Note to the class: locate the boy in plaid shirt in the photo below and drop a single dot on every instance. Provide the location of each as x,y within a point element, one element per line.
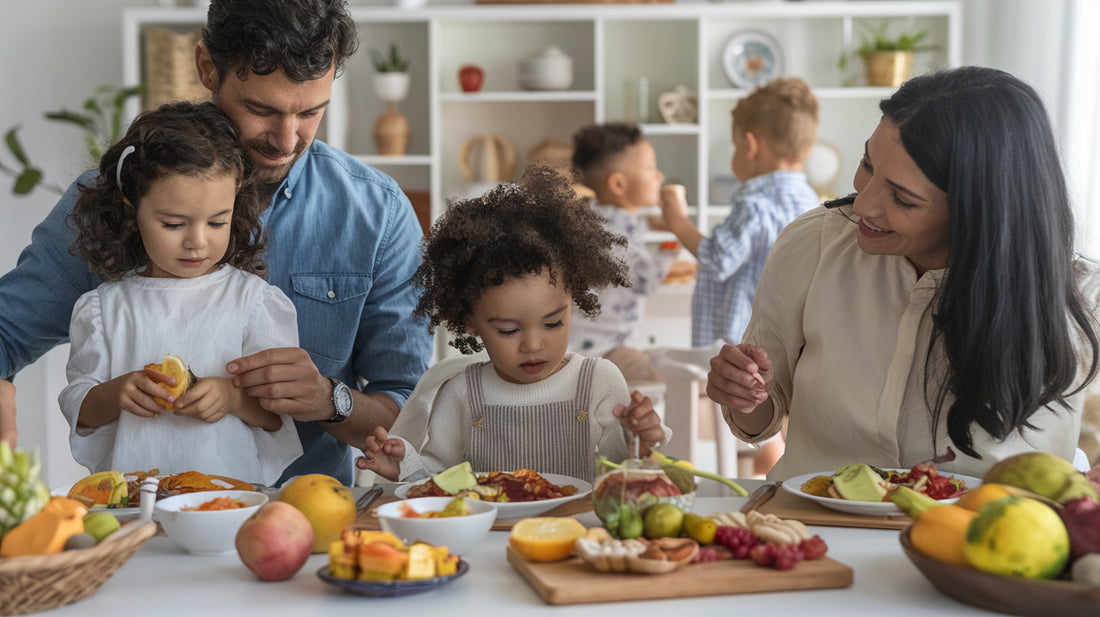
<point>773,130</point>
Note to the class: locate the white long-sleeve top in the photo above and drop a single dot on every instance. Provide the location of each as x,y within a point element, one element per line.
<point>847,333</point>
<point>207,321</point>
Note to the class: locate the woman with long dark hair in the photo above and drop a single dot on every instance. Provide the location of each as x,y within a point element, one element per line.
<point>952,319</point>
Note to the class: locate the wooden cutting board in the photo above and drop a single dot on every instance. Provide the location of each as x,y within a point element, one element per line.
<point>788,505</point>
<point>368,519</point>
<point>573,582</point>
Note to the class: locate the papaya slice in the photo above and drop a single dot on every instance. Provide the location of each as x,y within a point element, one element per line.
<point>172,366</point>
<point>47,531</point>
<point>105,489</point>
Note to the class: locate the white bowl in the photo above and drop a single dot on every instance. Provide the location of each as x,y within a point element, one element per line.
<point>212,532</point>
<point>460,534</point>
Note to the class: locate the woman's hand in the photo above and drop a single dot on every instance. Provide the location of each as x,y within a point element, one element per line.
<point>382,455</point>
<point>738,377</point>
<point>639,418</point>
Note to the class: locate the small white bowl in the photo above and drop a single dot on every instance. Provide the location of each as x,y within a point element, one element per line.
<point>460,534</point>
<point>212,532</point>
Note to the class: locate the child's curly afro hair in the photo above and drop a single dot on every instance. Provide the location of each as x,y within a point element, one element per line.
<point>515,230</point>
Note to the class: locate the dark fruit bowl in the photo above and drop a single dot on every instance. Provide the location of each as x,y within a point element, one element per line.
<point>1004,594</point>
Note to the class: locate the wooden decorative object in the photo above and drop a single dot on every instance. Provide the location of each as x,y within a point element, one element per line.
<point>169,68</point>
<point>391,131</point>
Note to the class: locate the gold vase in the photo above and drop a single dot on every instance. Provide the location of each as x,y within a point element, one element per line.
<point>887,68</point>
<point>391,131</point>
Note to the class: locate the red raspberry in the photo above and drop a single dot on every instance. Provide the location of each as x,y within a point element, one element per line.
<point>705,554</point>
<point>778,556</point>
<point>814,548</point>
<point>739,541</point>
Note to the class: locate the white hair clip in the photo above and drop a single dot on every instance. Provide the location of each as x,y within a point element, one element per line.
<point>127,151</point>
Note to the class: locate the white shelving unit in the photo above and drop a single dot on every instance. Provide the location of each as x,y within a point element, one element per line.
<point>612,45</point>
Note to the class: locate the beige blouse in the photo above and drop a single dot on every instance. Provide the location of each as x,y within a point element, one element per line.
<point>847,333</point>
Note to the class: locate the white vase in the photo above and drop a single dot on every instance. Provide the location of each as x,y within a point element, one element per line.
<point>391,86</point>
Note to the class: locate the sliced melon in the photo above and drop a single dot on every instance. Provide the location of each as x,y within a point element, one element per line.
<point>104,489</point>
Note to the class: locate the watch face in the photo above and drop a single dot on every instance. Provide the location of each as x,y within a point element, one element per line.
<point>341,397</point>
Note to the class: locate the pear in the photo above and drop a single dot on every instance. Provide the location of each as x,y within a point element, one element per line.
<point>1042,473</point>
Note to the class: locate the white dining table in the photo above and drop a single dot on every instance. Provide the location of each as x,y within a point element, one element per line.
<point>163,580</point>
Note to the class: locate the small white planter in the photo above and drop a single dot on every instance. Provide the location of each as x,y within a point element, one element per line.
<point>391,86</point>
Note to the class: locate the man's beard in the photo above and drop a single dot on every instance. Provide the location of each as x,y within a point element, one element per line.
<point>271,176</point>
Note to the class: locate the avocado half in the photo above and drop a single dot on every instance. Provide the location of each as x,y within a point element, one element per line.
<point>859,482</point>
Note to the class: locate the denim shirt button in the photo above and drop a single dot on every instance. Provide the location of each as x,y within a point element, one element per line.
<point>331,294</point>
<point>286,192</point>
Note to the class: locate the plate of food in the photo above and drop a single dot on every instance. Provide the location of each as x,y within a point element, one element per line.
<point>391,589</point>
<point>528,493</point>
<point>752,57</point>
<point>120,493</point>
<point>859,484</point>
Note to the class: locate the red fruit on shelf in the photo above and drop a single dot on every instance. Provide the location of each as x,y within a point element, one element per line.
<point>470,77</point>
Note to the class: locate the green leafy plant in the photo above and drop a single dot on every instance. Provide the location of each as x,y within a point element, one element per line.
<point>876,39</point>
<point>393,62</point>
<point>100,120</point>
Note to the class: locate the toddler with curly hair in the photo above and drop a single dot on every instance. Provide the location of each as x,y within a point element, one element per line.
<point>502,272</point>
<point>172,224</point>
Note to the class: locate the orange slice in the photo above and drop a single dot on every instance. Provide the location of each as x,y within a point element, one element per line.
<point>546,538</point>
<point>104,489</point>
<point>172,366</point>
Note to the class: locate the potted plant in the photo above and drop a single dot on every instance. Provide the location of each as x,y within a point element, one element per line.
<point>391,79</point>
<point>101,122</point>
<point>887,59</point>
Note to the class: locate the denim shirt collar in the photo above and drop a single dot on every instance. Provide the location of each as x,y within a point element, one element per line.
<point>296,172</point>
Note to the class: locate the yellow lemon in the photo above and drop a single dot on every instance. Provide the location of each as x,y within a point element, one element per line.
<point>546,538</point>
<point>327,504</point>
<point>1017,536</point>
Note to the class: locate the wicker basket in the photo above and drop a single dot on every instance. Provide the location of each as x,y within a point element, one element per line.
<point>41,582</point>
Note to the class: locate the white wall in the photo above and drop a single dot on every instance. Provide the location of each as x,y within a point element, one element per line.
<point>57,51</point>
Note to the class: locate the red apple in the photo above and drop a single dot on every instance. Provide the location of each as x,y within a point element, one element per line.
<point>469,77</point>
<point>275,541</point>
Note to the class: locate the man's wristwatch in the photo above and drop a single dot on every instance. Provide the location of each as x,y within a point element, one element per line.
<point>341,400</point>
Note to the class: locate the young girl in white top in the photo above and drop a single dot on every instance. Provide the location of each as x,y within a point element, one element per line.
<point>173,225</point>
<point>502,272</point>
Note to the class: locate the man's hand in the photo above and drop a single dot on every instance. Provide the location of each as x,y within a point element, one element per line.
<point>7,412</point>
<point>286,381</point>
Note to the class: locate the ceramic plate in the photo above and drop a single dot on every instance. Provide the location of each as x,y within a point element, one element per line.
<point>392,589</point>
<point>122,514</point>
<point>868,508</point>
<point>752,57</point>
<point>523,509</point>
<point>1003,594</point>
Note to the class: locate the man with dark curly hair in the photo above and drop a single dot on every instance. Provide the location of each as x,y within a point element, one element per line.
<point>502,272</point>
<point>341,241</point>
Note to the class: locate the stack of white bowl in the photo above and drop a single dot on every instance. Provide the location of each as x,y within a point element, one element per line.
<point>549,69</point>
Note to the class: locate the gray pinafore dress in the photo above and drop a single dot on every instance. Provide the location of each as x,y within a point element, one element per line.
<point>548,438</point>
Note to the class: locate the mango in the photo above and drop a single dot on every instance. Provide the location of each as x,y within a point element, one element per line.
<point>939,530</point>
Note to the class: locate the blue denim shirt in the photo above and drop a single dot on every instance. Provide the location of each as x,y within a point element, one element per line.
<point>342,243</point>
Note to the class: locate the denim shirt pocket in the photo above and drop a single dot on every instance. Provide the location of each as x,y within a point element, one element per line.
<point>330,307</point>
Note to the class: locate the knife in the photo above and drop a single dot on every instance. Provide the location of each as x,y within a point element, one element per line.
<point>759,497</point>
<point>368,498</point>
